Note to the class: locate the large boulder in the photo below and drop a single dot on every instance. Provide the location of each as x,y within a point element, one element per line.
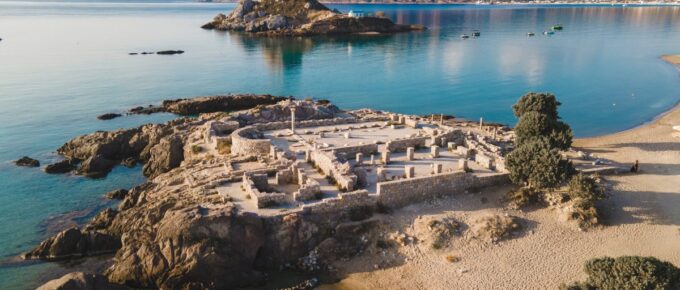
<point>165,156</point>
<point>81,281</point>
<point>63,166</point>
<point>74,243</point>
<point>97,166</point>
<point>212,104</point>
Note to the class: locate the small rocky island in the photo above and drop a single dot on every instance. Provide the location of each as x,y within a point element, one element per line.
<point>300,18</point>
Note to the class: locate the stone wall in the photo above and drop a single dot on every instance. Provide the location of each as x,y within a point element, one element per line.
<point>400,145</point>
<point>262,199</point>
<point>403,192</point>
<point>344,202</point>
<point>242,142</point>
<point>330,166</point>
<point>351,151</point>
<point>309,190</point>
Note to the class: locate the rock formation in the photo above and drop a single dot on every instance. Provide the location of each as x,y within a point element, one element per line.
<point>27,162</point>
<point>81,281</point>
<point>108,116</point>
<point>299,18</point>
<point>74,243</point>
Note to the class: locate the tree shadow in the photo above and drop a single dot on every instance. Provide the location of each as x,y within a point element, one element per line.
<point>648,207</point>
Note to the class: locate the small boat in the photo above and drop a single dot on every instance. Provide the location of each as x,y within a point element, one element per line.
<point>548,32</point>
<point>476,33</point>
<point>531,34</point>
<point>557,27</point>
<point>464,36</point>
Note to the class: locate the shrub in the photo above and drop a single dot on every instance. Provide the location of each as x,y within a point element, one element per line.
<point>224,146</point>
<point>523,196</point>
<point>584,187</point>
<point>538,165</point>
<point>584,213</point>
<point>196,149</point>
<point>629,272</point>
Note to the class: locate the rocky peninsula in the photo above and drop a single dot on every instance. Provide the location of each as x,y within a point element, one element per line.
<point>300,18</point>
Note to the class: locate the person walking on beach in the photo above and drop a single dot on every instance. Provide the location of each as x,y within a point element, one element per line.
<point>635,167</point>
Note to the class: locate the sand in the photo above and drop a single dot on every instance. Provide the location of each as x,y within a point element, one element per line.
<point>642,218</point>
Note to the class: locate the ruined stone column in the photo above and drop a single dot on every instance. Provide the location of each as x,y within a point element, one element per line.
<point>409,153</point>
<point>434,151</point>
<point>451,146</point>
<point>359,158</point>
<point>437,168</point>
<point>441,118</point>
<point>386,157</point>
<point>495,131</point>
<point>481,123</point>
<point>402,120</point>
<point>348,135</point>
<point>372,159</point>
<point>443,141</point>
<point>292,119</point>
<point>308,156</point>
<point>273,153</point>
<point>409,171</point>
<point>462,164</point>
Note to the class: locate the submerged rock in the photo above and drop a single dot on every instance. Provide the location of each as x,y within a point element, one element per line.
<point>63,166</point>
<point>27,162</point>
<point>108,116</point>
<point>81,281</point>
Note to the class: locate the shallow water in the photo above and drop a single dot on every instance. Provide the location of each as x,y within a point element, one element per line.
<point>62,64</point>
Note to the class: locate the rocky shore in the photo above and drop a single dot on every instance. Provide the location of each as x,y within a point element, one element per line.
<point>167,234</point>
<point>300,18</point>
<point>157,146</point>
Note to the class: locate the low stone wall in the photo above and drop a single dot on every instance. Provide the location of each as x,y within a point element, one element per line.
<point>308,191</point>
<point>400,145</point>
<point>351,151</point>
<point>403,192</point>
<point>330,166</point>
<point>252,185</point>
<point>344,202</point>
<point>243,144</point>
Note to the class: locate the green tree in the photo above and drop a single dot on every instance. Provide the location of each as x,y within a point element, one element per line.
<point>584,187</point>
<point>544,103</point>
<point>538,165</point>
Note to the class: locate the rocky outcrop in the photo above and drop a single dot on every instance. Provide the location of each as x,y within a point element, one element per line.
<point>205,247</point>
<point>298,18</point>
<point>81,281</point>
<point>165,156</point>
<point>212,104</point>
<point>27,162</point>
<point>170,52</point>
<point>73,243</point>
<point>116,194</point>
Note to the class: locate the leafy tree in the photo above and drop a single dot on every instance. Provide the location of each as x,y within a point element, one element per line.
<point>628,272</point>
<point>538,165</point>
<point>533,125</point>
<point>544,103</point>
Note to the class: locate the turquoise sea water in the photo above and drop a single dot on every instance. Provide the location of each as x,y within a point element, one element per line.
<point>62,64</point>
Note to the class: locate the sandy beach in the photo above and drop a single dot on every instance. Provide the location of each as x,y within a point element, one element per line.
<point>641,217</point>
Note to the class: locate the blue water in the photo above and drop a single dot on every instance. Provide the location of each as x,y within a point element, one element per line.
<point>62,64</point>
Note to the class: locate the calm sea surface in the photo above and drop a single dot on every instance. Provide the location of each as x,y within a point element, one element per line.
<point>62,64</point>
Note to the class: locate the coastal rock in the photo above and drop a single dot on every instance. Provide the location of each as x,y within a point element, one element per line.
<point>117,194</point>
<point>129,162</point>
<point>102,220</point>
<point>96,166</point>
<point>165,156</point>
<point>73,243</point>
<point>113,145</point>
<point>108,116</point>
<point>63,166</point>
<point>205,247</point>
<point>218,103</point>
<point>298,18</point>
<point>27,162</point>
<point>170,52</point>
<point>81,281</point>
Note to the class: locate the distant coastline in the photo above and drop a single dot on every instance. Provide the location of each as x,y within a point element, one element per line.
<point>484,3</point>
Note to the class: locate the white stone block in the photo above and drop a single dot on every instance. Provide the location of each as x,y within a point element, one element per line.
<point>434,151</point>
<point>359,158</point>
<point>409,171</point>
<point>409,153</point>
